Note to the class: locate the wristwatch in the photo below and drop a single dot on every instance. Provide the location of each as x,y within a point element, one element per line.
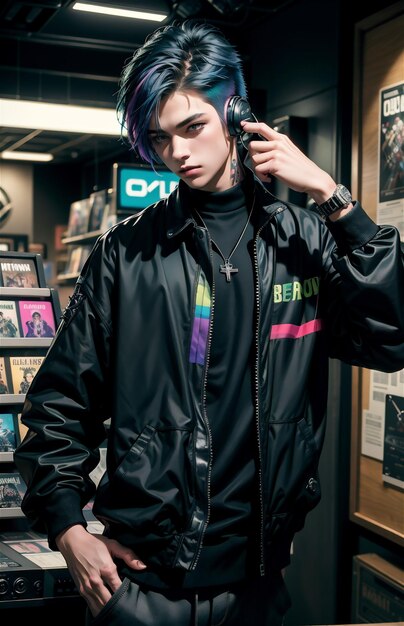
<point>340,198</point>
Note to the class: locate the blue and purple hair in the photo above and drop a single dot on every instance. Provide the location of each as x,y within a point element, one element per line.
<point>179,57</point>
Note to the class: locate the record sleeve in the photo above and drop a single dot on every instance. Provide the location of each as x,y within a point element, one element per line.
<point>78,217</point>
<point>9,325</point>
<point>8,435</point>
<point>12,490</point>
<point>74,260</point>
<point>23,370</point>
<point>5,383</point>
<point>37,319</point>
<point>393,453</point>
<point>18,273</point>
<point>22,429</point>
<point>98,203</point>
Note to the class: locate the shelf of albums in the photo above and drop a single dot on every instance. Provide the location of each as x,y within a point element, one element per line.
<point>29,315</point>
<point>88,219</point>
<point>31,574</point>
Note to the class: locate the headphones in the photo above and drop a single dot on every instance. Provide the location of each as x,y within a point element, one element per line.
<point>238,109</point>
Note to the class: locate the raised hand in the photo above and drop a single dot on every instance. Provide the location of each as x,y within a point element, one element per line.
<point>276,155</point>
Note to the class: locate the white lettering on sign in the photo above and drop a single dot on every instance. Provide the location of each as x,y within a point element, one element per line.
<point>393,106</point>
<point>139,188</point>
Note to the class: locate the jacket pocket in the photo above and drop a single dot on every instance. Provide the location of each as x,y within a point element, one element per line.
<point>152,488</point>
<point>104,616</point>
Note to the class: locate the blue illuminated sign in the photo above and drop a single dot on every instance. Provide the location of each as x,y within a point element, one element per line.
<point>139,187</point>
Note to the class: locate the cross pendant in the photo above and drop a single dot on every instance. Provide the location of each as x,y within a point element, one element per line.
<point>228,269</point>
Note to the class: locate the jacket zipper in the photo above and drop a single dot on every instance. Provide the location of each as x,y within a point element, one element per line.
<point>205,416</point>
<point>257,403</point>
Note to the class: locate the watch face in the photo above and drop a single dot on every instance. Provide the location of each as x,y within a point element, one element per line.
<point>340,198</point>
<point>344,193</point>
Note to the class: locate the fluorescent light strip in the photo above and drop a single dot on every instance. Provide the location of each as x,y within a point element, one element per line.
<point>26,156</point>
<point>59,117</point>
<point>104,10</point>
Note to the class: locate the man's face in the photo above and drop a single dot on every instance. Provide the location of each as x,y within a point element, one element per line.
<point>193,143</point>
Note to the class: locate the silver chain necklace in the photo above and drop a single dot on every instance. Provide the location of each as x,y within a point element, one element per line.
<point>228,268</point>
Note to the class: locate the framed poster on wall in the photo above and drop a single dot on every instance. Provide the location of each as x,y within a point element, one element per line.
<point>390,206</point>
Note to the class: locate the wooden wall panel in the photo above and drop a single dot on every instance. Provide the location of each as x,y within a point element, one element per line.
<point>379,63</point>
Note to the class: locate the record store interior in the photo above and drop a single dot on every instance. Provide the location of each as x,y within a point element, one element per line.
<point>320,72</point>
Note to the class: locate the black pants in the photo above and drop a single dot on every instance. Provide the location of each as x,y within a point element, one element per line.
<point>262,602</point>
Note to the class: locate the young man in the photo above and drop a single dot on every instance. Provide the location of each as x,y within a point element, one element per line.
<point>201,328</point>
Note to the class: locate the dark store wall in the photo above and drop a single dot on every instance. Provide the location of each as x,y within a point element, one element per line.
<point>302,59</point>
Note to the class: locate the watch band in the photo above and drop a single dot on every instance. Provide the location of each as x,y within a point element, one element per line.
<point>340,198</point>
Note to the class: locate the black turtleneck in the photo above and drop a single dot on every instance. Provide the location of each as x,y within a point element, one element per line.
<point>227,553</point>
<point>230,407</point>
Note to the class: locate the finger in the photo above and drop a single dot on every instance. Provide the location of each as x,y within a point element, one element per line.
<point>126,554</point>
<point>265,178</point>
<point>111,578</point>
<point>137,564</point>
<point>259,127</point>
<point>261,157</point>
<point>95,592</point>
<point>266,162</point>
<point>95,605</point>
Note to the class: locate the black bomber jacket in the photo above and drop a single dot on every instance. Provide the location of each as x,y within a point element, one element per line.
<point>132,350</point>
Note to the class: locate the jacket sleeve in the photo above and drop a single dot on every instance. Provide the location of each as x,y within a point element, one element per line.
<point>364,303</point>
<point>66,406</point>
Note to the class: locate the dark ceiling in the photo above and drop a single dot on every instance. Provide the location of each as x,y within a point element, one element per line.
<point>50,52</point>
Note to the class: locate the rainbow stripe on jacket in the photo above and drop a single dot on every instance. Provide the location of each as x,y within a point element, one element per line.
<point>200,327</point>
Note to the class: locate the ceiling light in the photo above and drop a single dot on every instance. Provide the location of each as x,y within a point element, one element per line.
<point>26,156</point>
<point>59,117</point>
<point>105,10</point>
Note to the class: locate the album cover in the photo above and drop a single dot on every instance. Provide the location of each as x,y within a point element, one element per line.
<point>377,590</point>
<point>18,273</point>
<point>12,490</point>
<point>74,260</point>
<point>22,429</point>
<point>5,384</point>
<point>23,370</point>
<point>85,253</point>
<point>393,451</point>
<point>8,435</point>
<point>37,319</point>
<point>9,325</point>
<point>98,203</point>
<point>78,217</point>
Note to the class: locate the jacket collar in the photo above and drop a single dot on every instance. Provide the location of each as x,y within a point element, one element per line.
<point>179,217</point>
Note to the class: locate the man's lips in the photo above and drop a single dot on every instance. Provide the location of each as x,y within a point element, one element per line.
<point>189,170</point>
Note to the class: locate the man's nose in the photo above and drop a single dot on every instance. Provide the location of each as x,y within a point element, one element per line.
<point>180,148</point>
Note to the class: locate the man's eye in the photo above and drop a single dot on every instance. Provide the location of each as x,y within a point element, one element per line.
<point>158,139</point>
<point>195,127</point>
